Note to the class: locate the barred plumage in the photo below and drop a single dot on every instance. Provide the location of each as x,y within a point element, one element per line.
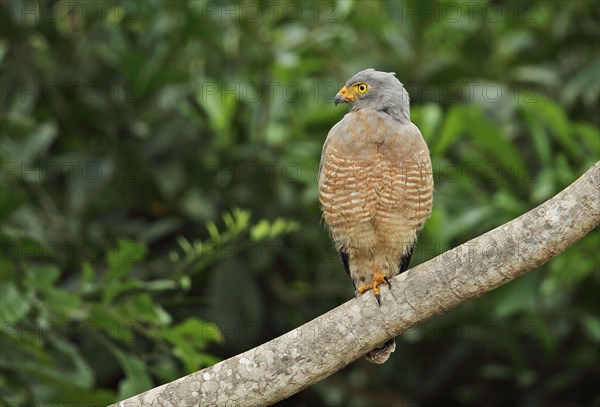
<point>375,183</point>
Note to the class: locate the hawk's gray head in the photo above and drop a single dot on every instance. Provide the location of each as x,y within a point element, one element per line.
<point>376,90</point>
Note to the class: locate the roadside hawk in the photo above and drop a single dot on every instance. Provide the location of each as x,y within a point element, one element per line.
<point>375,184</point>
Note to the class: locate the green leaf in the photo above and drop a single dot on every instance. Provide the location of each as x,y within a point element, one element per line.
<point>196,331</point>
<point>88,274</point>
<point>63,303</point>
<point>137,379</point>
<point>589,135</point>
<point>496,371</point>
<point>142,308</point>
<point>92,397</point>
<point>282,226</point>
<point>72,366</point>
<point>260,230</point>
<point>555,118</point>
<point>43,277</point>
<point>13,304</point>
<point>11,196</point>
<point>38,142</point>
<point>189,338</point>
<point>516,297</point>
<point>591,326</point>
<point>115,288</point>
<point>220,108</point>
<point>278,227</point>
<point>451,129</point>
<point>428,118</point>
<point>545,187</point>
<point>487,136</point>
<point>111,323</point>
<point>123,258</point>
<point>213,231</point>
<point>59,363</point>
<point>538,134</point>
<point>161,285</point>
<point>241,218</point>
<point>540,330</point>
<point>185,244</point>
<point>465,221</point>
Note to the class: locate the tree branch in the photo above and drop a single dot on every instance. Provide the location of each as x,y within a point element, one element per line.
<point>285,365</point>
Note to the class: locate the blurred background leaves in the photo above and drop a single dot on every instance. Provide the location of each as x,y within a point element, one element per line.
<point>159,202</point>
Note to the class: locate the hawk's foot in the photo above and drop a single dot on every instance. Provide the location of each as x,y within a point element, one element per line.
<point>378,279</point>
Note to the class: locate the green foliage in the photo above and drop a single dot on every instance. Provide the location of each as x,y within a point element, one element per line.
<point>53,334</point>
<point>132,130</point>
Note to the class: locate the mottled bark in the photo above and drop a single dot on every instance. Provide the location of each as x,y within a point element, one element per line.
<point>319,348</point>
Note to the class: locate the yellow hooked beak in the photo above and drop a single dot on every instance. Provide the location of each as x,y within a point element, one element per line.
<point>345,95</point>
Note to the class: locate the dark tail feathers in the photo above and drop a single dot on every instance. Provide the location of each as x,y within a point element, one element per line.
<point>381,353</point>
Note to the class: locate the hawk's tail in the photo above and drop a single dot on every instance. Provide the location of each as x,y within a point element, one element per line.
<point>381,353</point>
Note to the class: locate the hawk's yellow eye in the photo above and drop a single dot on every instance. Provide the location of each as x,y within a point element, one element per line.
<point>362,88</point>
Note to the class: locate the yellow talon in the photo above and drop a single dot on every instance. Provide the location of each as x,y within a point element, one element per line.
<point>378,279</point>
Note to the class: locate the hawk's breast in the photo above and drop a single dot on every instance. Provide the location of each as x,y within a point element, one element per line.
<point>375,184</point>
